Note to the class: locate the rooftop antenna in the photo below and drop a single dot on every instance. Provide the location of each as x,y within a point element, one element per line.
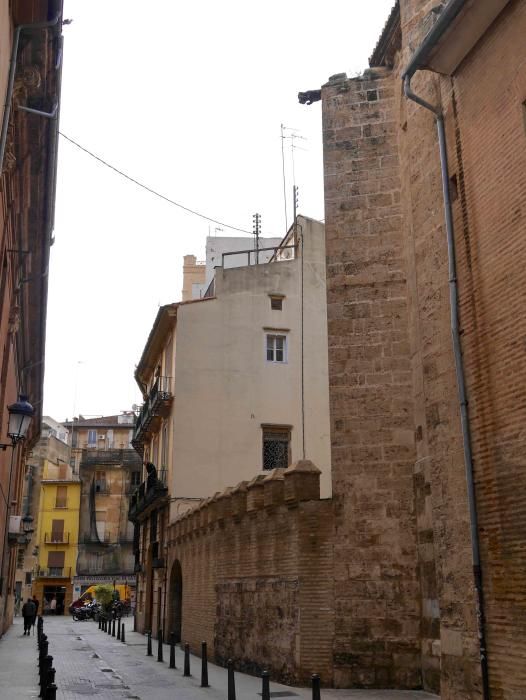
<point>284,179</point>
<point>293,136</point>
<point>256,228</point>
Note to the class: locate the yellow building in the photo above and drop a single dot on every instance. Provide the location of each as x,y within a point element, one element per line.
<point>57,536</point>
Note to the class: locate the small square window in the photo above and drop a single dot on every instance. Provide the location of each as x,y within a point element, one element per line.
<point>276,447</point>
<point>276,347</point>
<point>276,303</point>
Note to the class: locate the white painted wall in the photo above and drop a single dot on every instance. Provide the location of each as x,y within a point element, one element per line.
<point>224,387</point>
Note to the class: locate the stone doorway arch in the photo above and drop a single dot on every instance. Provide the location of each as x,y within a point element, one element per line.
<point>176,601</point>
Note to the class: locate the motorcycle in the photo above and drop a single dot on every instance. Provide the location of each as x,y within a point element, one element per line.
<point>86,612</point>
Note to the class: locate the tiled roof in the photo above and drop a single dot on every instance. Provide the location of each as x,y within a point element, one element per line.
<point>390,40</point>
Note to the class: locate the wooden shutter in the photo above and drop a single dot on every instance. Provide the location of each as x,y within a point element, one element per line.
<point>57,530</point>
<point>55,560</point>
<point>62,497</point>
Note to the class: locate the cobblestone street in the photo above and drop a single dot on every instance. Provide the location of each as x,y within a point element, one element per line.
<point>90,663</point>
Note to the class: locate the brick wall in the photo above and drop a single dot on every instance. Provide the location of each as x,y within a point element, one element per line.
<point>257,575</point>
<point>386,240</point>
<point>377,607</point>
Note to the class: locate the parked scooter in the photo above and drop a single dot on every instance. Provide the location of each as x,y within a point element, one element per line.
<point>86,612</point>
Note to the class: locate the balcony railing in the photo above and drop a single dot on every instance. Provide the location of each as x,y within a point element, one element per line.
<point>54,572</point>
<point>56,538</point>
<point>101,458</point>
<point>156,406</point>
<point>62,504</point>
<point>148,492</point>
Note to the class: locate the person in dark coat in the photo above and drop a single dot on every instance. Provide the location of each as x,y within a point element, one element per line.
<point>28,613</point>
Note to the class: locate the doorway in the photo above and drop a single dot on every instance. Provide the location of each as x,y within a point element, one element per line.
<point>176,601</point>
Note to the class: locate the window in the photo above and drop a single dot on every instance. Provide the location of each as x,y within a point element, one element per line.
<point>135,478</point>
<point>276,446</point>
<point>100,482</point>
<point>92,438</point>
<point>57,530</point>
<point>276,302</point>
<point>61,499</point>
<point>55,563</point>
<point>276,348</point>
<point>28,578</point>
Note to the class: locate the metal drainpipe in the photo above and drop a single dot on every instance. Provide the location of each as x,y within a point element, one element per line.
<point>461,381</point>
<point>11,78</point>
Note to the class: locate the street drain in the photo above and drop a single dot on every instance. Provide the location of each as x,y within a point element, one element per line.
<point>95,656</point>
<point>282,694</point>
<point>107,670</point>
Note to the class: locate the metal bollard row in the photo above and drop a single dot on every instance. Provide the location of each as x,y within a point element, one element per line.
<point>265,675</point>
<point>46,672</point>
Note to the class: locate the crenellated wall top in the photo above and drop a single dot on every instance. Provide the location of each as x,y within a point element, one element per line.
<point>299,482</point>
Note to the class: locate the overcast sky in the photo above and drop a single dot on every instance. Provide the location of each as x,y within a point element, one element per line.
<point>187,97</point>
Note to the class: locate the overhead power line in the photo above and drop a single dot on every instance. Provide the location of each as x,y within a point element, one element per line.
<point>149,189</point>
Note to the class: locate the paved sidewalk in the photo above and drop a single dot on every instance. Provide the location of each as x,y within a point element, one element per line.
<point>90,663</point>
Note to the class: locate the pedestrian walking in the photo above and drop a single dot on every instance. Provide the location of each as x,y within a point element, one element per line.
<point>28,613</point>
<point>53,605</point>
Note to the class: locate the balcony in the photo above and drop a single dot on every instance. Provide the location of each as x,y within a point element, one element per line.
<point>156,407</point>
<point>102,458</point>
<point>56,538</point>
<point>152,491</point>
<point>54,572</point>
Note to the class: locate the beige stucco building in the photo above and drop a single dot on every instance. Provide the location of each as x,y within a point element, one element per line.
<point>235,384</point>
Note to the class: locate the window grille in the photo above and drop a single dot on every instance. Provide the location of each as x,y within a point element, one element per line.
<point>276,447</point>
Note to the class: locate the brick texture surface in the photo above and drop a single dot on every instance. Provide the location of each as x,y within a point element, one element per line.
<point>398,461</point>
<point>376,588</point>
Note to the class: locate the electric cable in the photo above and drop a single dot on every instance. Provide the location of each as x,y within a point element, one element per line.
<point>149,189</point>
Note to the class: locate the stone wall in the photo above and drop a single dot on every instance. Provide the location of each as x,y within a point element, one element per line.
<point>373,452</point>
<point>389,326</point>
<point>257,578</point>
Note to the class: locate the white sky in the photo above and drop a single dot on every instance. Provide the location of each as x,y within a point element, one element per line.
<point>187,97</point>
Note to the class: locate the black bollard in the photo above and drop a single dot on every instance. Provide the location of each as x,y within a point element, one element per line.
<point>265,686</point>
<point>149,645</point>
<point>204,666</point>
<point>231,680</point>
<point>50,680</point>
<point>109,627</point>
<point>47,664</point>
<point>160,645</point>
<point>172,650</point>
<point>119,629</point>
<point>123,637</point>
<point>187,660</point>
<point>100,622</point>
<point>315,686</point>
<point>113,627</point>
<point>51,692</point>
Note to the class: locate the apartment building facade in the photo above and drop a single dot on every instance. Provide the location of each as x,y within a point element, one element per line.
<point>235,386</point>
<point>30,65</point>
<point>109,470</point>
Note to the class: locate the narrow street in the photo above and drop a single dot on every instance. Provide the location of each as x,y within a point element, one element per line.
<point>90,663</point>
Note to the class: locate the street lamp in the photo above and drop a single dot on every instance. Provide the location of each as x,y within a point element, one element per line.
<point>20,415</point>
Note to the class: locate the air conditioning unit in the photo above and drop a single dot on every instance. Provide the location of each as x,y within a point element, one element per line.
<point>102,437</point>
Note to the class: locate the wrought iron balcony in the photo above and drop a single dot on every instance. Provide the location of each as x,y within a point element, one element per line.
<point>54,572</point>
<point>56,538</point>
<point>150,491</point>
<point>156,407</point>
<point>101,458</point>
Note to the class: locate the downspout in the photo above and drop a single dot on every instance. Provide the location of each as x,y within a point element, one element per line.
<point>457,351</point>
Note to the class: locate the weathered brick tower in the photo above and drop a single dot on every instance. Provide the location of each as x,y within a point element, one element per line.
<point>405,598</point>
